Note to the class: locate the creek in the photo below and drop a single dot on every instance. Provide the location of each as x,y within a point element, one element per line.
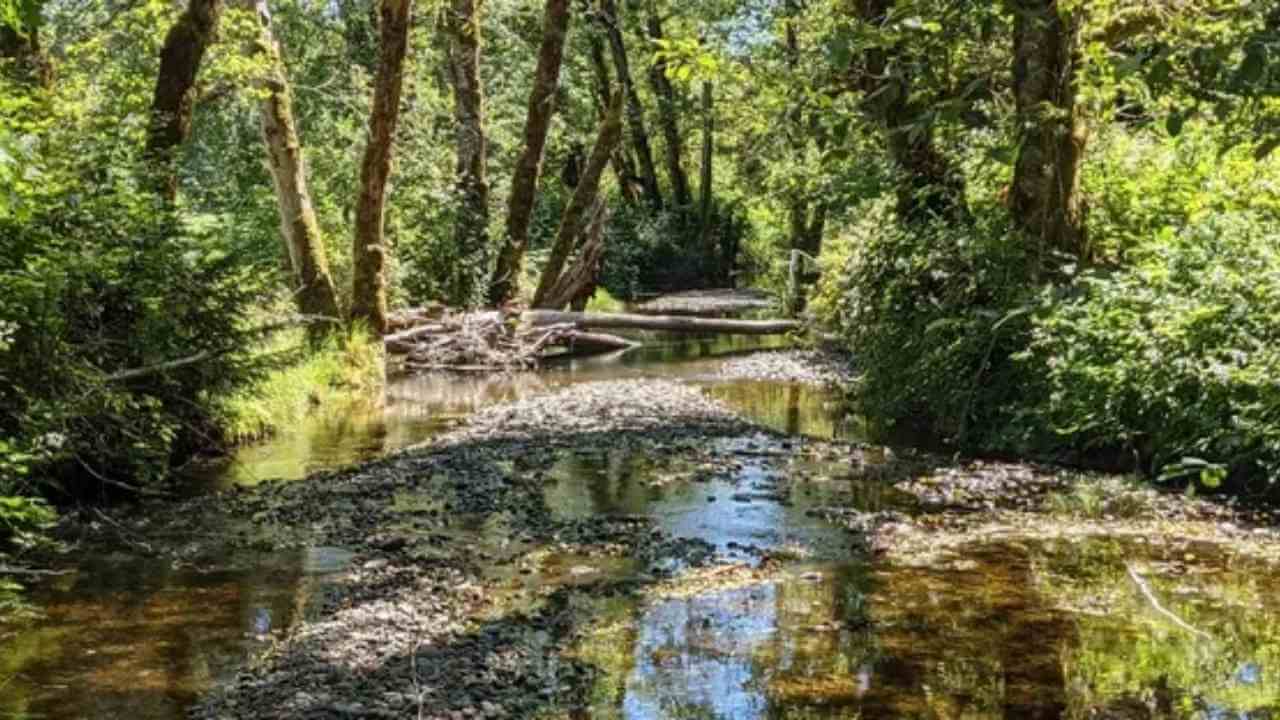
<point>1022,627</point>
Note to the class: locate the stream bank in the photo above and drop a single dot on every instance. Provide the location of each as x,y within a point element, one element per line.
<point>610,544</point>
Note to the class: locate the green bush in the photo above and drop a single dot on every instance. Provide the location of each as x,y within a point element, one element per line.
<point>1174,359</point>
<point>98,278</point>
<point>932,313</point>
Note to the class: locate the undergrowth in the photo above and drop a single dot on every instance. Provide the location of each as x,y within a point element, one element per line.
<point>346,367</point>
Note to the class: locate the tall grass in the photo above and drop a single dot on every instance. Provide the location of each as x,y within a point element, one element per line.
<point>345,368</point>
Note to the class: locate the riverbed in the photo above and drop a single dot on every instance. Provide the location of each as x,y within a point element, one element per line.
<point>656,535</point>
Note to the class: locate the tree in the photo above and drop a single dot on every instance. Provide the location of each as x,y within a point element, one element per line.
<point>299,229</point>
<point>524,181</point>
<point>1044,197</point>
<point>174,98</point>
<point>667,118</point>
<point>623,165</point>
<point>471,228</point>
<point>369,283</point>
<point>635,111</point>
<point>577,214</point>
<point>928,184</point>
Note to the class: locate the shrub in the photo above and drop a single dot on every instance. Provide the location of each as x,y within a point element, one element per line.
<point>1175,359</point>
<point>932,313</point>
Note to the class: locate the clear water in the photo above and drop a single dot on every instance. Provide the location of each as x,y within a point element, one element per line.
<point>1016,629</point>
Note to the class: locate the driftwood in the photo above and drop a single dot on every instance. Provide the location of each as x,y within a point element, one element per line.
<point>489,341</point>
<point>540,318</point>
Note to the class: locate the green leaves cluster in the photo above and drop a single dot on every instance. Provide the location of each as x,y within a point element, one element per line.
<point>1174,359</point>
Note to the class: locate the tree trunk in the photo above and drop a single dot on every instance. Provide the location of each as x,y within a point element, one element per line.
<point>928,185</point>
<point>623,166</point>
<point>708,154</point>
<point>667,118</point>
<point>798,202</point>
<point>369,282</point>
<point>22,57</point>
<point>524,182</point>
<point>471,228</point>
<point>315,293</point>
<point>635,111</point>
<point>174,99</point>
<point>584,196</point>
<point>672,323</point>
<point>577,284</point>
<point>1044,197</point>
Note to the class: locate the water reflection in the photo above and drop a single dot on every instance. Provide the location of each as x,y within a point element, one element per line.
<point>1013,630</point>
<point>415,408</point>
<point>126,637</point>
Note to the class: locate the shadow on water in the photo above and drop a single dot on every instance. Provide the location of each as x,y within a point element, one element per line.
<point>130,637</point>
<point>809,629</point>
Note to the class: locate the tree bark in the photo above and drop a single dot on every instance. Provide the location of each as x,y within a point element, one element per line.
<point>623,166</point>
<point>667,118</point>
<point>1044,197</point>
<point>671,323</point>
<point>577,284</point>
<point>174,100</point>
<point>635,111</point>
<point>584,197</point>
<point>470,232</point>
<point>524,181</point>
<point>369,282</point>
<point>315,293</point>
<point>928,185</point>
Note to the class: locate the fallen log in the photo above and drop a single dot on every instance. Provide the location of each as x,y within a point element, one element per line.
<point>669,323</point>
<point>580,342</point>
<point>406,341</point>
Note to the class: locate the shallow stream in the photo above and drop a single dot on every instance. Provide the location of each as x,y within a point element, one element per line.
<point>1035,628</point>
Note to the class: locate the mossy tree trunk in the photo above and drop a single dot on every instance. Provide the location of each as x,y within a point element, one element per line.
<point>576,214</point>
<point>524,181</point>
<point>21,55</point>
<point>471,226</point>
<point>315,294</point>
<point>1044,197</point>
<point>173,102</point>
<point>369,282</point>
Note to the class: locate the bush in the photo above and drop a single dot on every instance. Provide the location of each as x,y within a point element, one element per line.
<point>932,313</point>
<point>97,279</point>
<point>1174,360</point>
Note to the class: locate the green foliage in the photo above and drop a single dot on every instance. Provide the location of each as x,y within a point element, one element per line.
<point>348,365</point>
<point>1174,358</point>
<point>932,313</point>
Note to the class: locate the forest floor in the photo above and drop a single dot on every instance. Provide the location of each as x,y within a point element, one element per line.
<point>476,553</point>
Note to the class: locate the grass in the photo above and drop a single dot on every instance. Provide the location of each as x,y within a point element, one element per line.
<point>345,368</point>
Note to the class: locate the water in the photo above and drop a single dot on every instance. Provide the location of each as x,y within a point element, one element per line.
<point>794,627</point>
